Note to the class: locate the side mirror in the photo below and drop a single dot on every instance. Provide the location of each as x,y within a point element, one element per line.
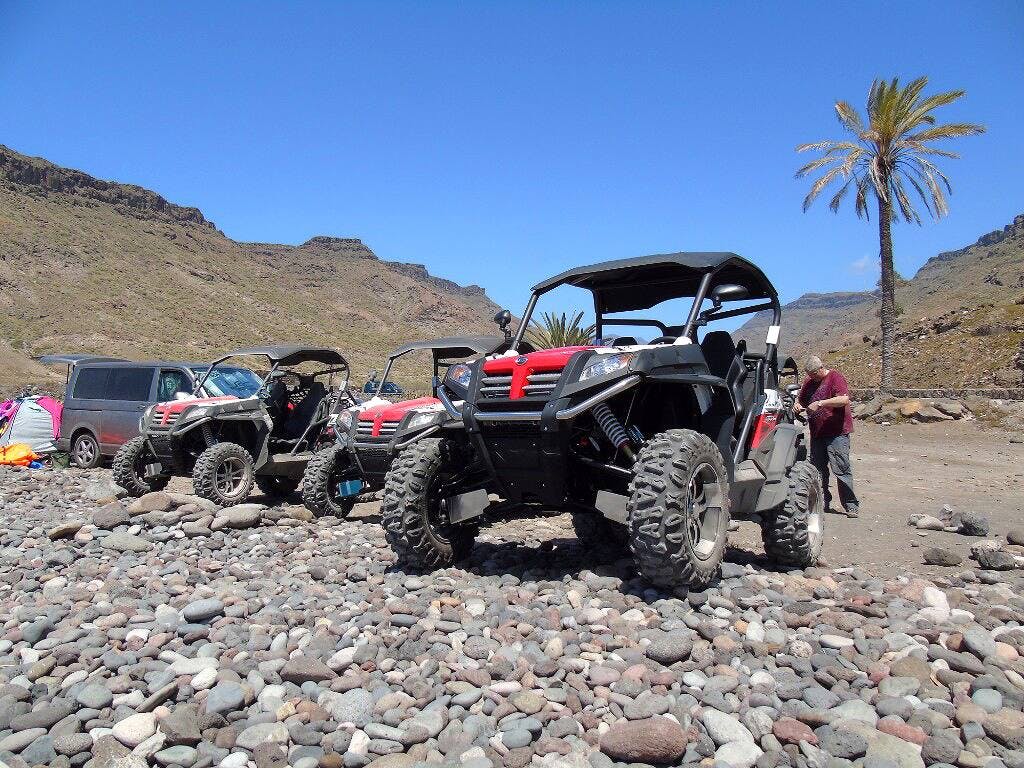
<point>728,292</point>
<point>503,319</point>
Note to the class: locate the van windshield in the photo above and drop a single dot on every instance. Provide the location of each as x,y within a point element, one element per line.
<point>237,382</point>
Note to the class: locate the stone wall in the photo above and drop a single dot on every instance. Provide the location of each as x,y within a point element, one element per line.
<point>995,393</point>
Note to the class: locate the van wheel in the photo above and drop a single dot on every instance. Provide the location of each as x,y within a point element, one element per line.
<point>320,484</point>
<point>224,474</point>
<point>130,469</point>
<point>278,486</point>
<point>678,510</point>
<point>415,523</point>
<point>85,451</point>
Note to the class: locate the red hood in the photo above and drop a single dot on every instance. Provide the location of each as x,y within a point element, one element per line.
<point>378,414</point>
<point>542,361</point>
<point>177,406</point>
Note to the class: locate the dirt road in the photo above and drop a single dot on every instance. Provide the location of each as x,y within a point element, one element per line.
<point>905,468</point>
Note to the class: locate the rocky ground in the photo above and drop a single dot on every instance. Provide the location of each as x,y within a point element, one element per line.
<point>165,632</point>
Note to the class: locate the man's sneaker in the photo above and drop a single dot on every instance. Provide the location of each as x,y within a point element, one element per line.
<point>852,510</point>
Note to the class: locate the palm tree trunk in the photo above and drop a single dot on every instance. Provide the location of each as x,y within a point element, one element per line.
<point>888,285</point>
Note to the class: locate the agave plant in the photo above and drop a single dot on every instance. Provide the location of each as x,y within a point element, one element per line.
<point>888,155</point>
<point>559,331</point>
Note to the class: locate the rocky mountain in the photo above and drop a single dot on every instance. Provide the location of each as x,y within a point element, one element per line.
<point>961,321</point>
<point>94,266</point>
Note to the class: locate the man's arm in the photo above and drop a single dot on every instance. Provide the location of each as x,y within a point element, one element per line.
<point>841,394</point>
<point>833,402</point>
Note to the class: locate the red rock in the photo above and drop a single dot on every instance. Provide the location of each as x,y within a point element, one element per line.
<point>790,731</point>
<point>664,678</point>
<point>656,740</point>
<point>901,730</point>
<point>877,673</point>
<point>635,672</point>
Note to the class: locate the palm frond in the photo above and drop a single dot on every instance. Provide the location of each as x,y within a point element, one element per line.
<point>849,117</point>
<point>891,151</point>
<point>948,131</point>
<point>559,331</point>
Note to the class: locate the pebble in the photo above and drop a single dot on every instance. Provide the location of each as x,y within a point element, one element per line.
<point>166,632</point>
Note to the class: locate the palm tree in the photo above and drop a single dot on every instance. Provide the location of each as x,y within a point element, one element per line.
<point>888,155</point>
<point>559,331</point>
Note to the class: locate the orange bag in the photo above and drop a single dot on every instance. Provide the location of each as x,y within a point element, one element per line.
<point>18,454</point>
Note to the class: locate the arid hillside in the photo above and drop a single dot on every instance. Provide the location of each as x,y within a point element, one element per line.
<point>94,266</point>
<point>961,320</point>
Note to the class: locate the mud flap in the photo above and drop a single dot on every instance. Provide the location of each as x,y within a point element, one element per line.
<point>466,506</point>
<point>776,466</point>
<point>745,488</point>
<point>612,505</point>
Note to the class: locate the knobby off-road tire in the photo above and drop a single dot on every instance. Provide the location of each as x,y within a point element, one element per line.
<point>278,486</point>
<point>320,485</point>
<point>411,512</point>
<point>130,466</point>
<point>210,474</point>
<point>678,510</point>
<point>597,532</point>
<point>793,533</point>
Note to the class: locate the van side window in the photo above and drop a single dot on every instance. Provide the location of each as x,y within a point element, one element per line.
<point>129,383</point>
<point>91,384</point>
<point>171,383</point>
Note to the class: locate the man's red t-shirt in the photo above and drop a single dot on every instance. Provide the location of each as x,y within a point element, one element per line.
<point>827,422</point>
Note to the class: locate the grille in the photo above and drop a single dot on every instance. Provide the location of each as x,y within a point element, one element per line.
<point>364,429</point>
<point>159,425</point>
<point>495,387</point>
<point>541,383</point>
<point>537,385</point>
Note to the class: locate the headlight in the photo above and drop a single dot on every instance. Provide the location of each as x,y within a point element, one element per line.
<point>605,364</point>
<point>196,411</point>
<point>424,417</point>
<point>343,422</point>
<point>459,375</point>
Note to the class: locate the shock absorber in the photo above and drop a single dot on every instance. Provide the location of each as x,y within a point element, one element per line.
<point>208,437</point>
<point>613,430</point>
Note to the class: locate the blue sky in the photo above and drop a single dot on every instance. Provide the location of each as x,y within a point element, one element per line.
<point>499,143</point>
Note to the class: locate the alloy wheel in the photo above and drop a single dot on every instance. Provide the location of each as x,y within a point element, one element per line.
<point>85,450</point>
<point>703,510</point>
<point>230,476</point>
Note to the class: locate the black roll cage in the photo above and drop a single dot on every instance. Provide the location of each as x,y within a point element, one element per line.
<point>695,319</point>
<point>274,366</point>
<point>437,354</point>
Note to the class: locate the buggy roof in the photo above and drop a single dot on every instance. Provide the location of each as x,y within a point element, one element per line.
<point>61,359</point>
<point>292,354</point>
<point>454,346</point>
<point>645,281</point>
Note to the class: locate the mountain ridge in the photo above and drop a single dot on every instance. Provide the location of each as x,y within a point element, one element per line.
<point>88,265</point>
<point>960,324</point>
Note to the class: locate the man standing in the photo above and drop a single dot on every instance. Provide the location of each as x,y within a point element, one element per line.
<point>825,396</point>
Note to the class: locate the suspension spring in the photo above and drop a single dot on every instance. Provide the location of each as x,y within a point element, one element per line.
<point>613,429</point>
<point>208,437</point>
